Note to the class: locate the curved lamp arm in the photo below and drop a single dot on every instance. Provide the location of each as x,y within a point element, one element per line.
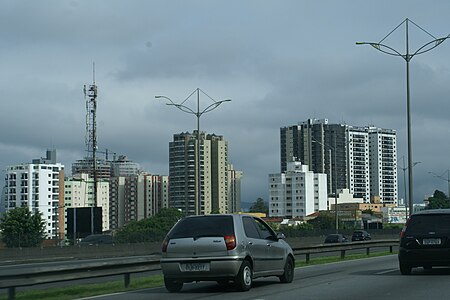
<point>391,51</point>
<point>436,42</point>
<point>380,47</point>
<point>181,107</point>
<point>213,106</point>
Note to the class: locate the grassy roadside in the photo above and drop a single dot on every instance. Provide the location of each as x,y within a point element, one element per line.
<point>87,290</point>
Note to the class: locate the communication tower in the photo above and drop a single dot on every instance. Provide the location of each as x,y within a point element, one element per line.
<point>90,94</point>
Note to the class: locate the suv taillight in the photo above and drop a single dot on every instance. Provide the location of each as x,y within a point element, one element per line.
<point>164,245</point>
<point>402,233</point>
<point>230,241</point>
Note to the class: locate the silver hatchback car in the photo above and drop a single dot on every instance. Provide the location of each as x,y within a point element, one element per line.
<point>224,248</point>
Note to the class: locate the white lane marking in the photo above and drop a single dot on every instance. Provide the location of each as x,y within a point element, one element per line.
<point>387,271</point>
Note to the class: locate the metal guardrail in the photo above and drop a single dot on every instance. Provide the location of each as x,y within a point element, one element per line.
<point>129,265</point>
<point>344,247</point>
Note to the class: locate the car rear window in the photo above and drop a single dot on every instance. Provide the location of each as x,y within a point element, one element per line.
<point>424,224</point>
<point>203,226</point>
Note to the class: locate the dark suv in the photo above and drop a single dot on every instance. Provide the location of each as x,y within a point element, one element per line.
<point>224,248</point>
<point>360,235</point>
<point>425,240</point>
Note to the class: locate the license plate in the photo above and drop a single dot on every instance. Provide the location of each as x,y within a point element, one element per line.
<point>195,267</point>
<point>431,241</point>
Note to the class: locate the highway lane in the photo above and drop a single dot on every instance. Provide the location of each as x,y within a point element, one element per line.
<point>10,269</point>
<point>372,278</point>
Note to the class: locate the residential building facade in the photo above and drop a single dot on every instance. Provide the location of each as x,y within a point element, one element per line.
<point>79,193</point>
<point>213,173</point>
<point>297,192</point>
<point>351,156</point>
<point>134,198</point>
<point>39,186</point>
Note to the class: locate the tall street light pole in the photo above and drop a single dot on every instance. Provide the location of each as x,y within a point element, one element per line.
<point>181,106</point>
<point>404,168</point>
<point>336,225</point>
<point>407,57</point>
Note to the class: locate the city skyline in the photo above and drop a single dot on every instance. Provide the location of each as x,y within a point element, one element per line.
<point>279,63</point>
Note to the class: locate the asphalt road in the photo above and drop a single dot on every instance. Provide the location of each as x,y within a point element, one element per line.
<point>371,278</point>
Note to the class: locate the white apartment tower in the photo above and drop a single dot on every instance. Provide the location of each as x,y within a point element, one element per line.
<point>40,187</point>
<point>358,163</point>
<point>383,161</point>
<point>297,192</point>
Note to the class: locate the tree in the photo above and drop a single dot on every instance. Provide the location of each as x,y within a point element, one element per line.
<point>323,221</point>
<point>21,228</point>
<point>151,229</point>
<point>438,200</point>
<point>259,206</point>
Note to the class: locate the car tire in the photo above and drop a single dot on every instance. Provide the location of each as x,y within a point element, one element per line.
<point>288,275</point>
<point>405,269</point>
<point>244,278</point>
<point>173,285</point>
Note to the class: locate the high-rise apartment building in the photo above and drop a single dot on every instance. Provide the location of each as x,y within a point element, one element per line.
<point>346,155</point>
<point>86,166</point>
<point>39,186</point>
<point>79,193</point>
<point>213,174</point>
<point>383,159</point>
<point>133,198</point>
<point>297,192</point>
<point>122,166</point>
<point>234,189</point>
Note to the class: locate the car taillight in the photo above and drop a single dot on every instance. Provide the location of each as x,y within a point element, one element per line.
<point>402,233</point>
<point>230,241</point>
<point>164,245</point>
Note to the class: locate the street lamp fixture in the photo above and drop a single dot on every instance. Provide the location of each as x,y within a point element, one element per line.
<point>198,113</point>
<point>407,57</point>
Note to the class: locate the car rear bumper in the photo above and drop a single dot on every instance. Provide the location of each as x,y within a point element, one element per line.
<point>425,257</point>
<point>219,268</point>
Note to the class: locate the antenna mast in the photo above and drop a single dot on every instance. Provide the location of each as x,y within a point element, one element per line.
<point>90,94</point>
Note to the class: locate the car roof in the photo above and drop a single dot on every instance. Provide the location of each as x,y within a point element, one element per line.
<point>442,211</point>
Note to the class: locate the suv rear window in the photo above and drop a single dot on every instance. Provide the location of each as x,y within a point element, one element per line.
<point>424,224</point>
<point>203,226</point>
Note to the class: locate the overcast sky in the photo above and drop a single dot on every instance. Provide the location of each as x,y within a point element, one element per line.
<point>281,62</point>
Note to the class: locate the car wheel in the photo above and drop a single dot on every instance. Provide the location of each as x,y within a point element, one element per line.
<point>405,268</point>
<point>288,274</point>
<point>244,278</point>
<point>173,285</point>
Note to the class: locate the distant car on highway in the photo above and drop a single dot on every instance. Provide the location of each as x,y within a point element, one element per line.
<point>224,248</point>
<point>96,239</point>
<point>335,238</point>
<point>360,235</point>
<point>425,240</point>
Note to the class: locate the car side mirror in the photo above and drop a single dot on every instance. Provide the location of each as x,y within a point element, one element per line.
<point>280,236</point>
